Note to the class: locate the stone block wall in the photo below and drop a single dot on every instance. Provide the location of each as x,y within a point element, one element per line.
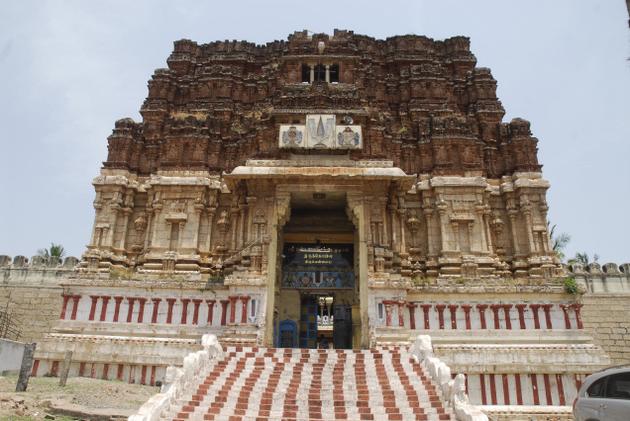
<point>30,292</point>
<point>606,310</point>
<point>607,317</point>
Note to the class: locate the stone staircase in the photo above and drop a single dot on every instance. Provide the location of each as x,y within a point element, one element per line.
<point>265,384</point>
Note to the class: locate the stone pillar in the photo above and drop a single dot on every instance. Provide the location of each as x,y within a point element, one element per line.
<point>453,309</point>
<point>117,301</point>
<point>443,224</point>
<point>131,301</point>
<point>527,213</point>
<point>388,312</point>
<point>240,227</point>
<point>547,309</point>
<point>210,311</point>
<point>455,231</point>
<point>106,299</point>
<point>383,206</point>
<point>521,315</point>
<point>425,313</point>
<point>224,306</point>
<point>235,224</point>
<point>394,236</point>
<point>466,308</point>
<point>512,216</point>
<point>535,308</point>
<point>412,315</point>
<point>184,318</point>
<point>495,310</point>
<point>125,224</point>
<point>327,66</point>
<point>244,300</point>
<point>94,299</point>
<point>25,368</point>
<point>142,302</point>
<point>196,304</point>
<point>280,214</point>
<point>485,219</point>
<point>210,217</point>
<point>357,211</point>
<point>428,216</point>
<point>169,311</point>
<point>62,316</point>
<point>401,224</point>
<point>506,312</point>
<point>75,306</point>
<point>156,306</point>
<point>312,72</point>
<point>65,368</point>
<point>233,299</point>
<point>482,315</point>
<point>196,222</point>
<point>401,316</point>
<point>578,316</point>
<point>565,311</point>
<point>440,309</point>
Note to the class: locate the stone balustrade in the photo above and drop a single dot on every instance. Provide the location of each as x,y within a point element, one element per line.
<point>38,262</point>
<point>453,388</point>
<point>608,278</point>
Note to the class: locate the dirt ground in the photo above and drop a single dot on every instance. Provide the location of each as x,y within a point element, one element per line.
<point>81,398</point>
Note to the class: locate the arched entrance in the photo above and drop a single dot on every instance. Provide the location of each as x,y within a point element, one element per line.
<point>318,287</point>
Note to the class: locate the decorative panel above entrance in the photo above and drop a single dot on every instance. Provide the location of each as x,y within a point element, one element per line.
<point>320,132</point>
<point>308,266</point>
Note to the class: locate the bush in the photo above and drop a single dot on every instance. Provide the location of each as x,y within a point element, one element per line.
<point>571,286</point>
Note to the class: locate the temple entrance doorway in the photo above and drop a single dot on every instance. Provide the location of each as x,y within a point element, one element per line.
<point>324,324</point>
<point>318,297</point>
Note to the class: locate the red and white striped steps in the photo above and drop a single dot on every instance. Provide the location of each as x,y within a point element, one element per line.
<point>266,384</point>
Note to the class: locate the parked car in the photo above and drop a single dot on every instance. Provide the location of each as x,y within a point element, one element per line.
<point>604,396</point>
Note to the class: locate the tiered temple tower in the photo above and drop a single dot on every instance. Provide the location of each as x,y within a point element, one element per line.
<point>327,189</point>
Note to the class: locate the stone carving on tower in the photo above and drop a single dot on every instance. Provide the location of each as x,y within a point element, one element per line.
<point>477,208</point>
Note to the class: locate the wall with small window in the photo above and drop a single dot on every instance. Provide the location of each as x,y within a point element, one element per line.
<point>319,72</point>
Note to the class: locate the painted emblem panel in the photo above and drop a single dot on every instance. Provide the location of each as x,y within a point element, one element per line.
<point>292,136</point>
<point>320,131</point>
<point>349,137</point>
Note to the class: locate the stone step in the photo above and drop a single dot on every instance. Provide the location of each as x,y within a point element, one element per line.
<point>292,384</point>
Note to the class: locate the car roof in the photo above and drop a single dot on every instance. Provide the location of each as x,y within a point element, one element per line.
<point>603,373</point>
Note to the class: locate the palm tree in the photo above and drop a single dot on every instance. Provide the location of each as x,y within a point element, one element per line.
<point>583,259</point>
<point>55,250</point>
<point>559,241</point>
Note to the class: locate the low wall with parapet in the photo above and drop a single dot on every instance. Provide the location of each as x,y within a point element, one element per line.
<point>606,310</point>
<point>30,292</point>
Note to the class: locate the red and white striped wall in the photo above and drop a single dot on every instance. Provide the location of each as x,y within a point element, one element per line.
<point>195,311</point>
<point>418,315</point>
<point>137,374</point>
<point>523,389</point>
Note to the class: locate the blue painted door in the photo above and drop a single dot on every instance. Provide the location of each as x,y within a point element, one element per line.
<point>308,322</point>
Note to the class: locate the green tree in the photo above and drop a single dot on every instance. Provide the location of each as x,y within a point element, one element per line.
<point>559,241</point>
<point>55,250</point>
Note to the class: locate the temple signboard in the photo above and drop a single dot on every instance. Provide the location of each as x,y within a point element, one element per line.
<point>308,266</point>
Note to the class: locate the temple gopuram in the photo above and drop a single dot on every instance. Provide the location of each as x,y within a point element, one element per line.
<point>326,191</point>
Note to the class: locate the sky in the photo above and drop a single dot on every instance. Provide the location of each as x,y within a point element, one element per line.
<point>70,69</point>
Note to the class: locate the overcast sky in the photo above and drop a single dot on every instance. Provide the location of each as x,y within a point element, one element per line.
<point>69,69</point>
